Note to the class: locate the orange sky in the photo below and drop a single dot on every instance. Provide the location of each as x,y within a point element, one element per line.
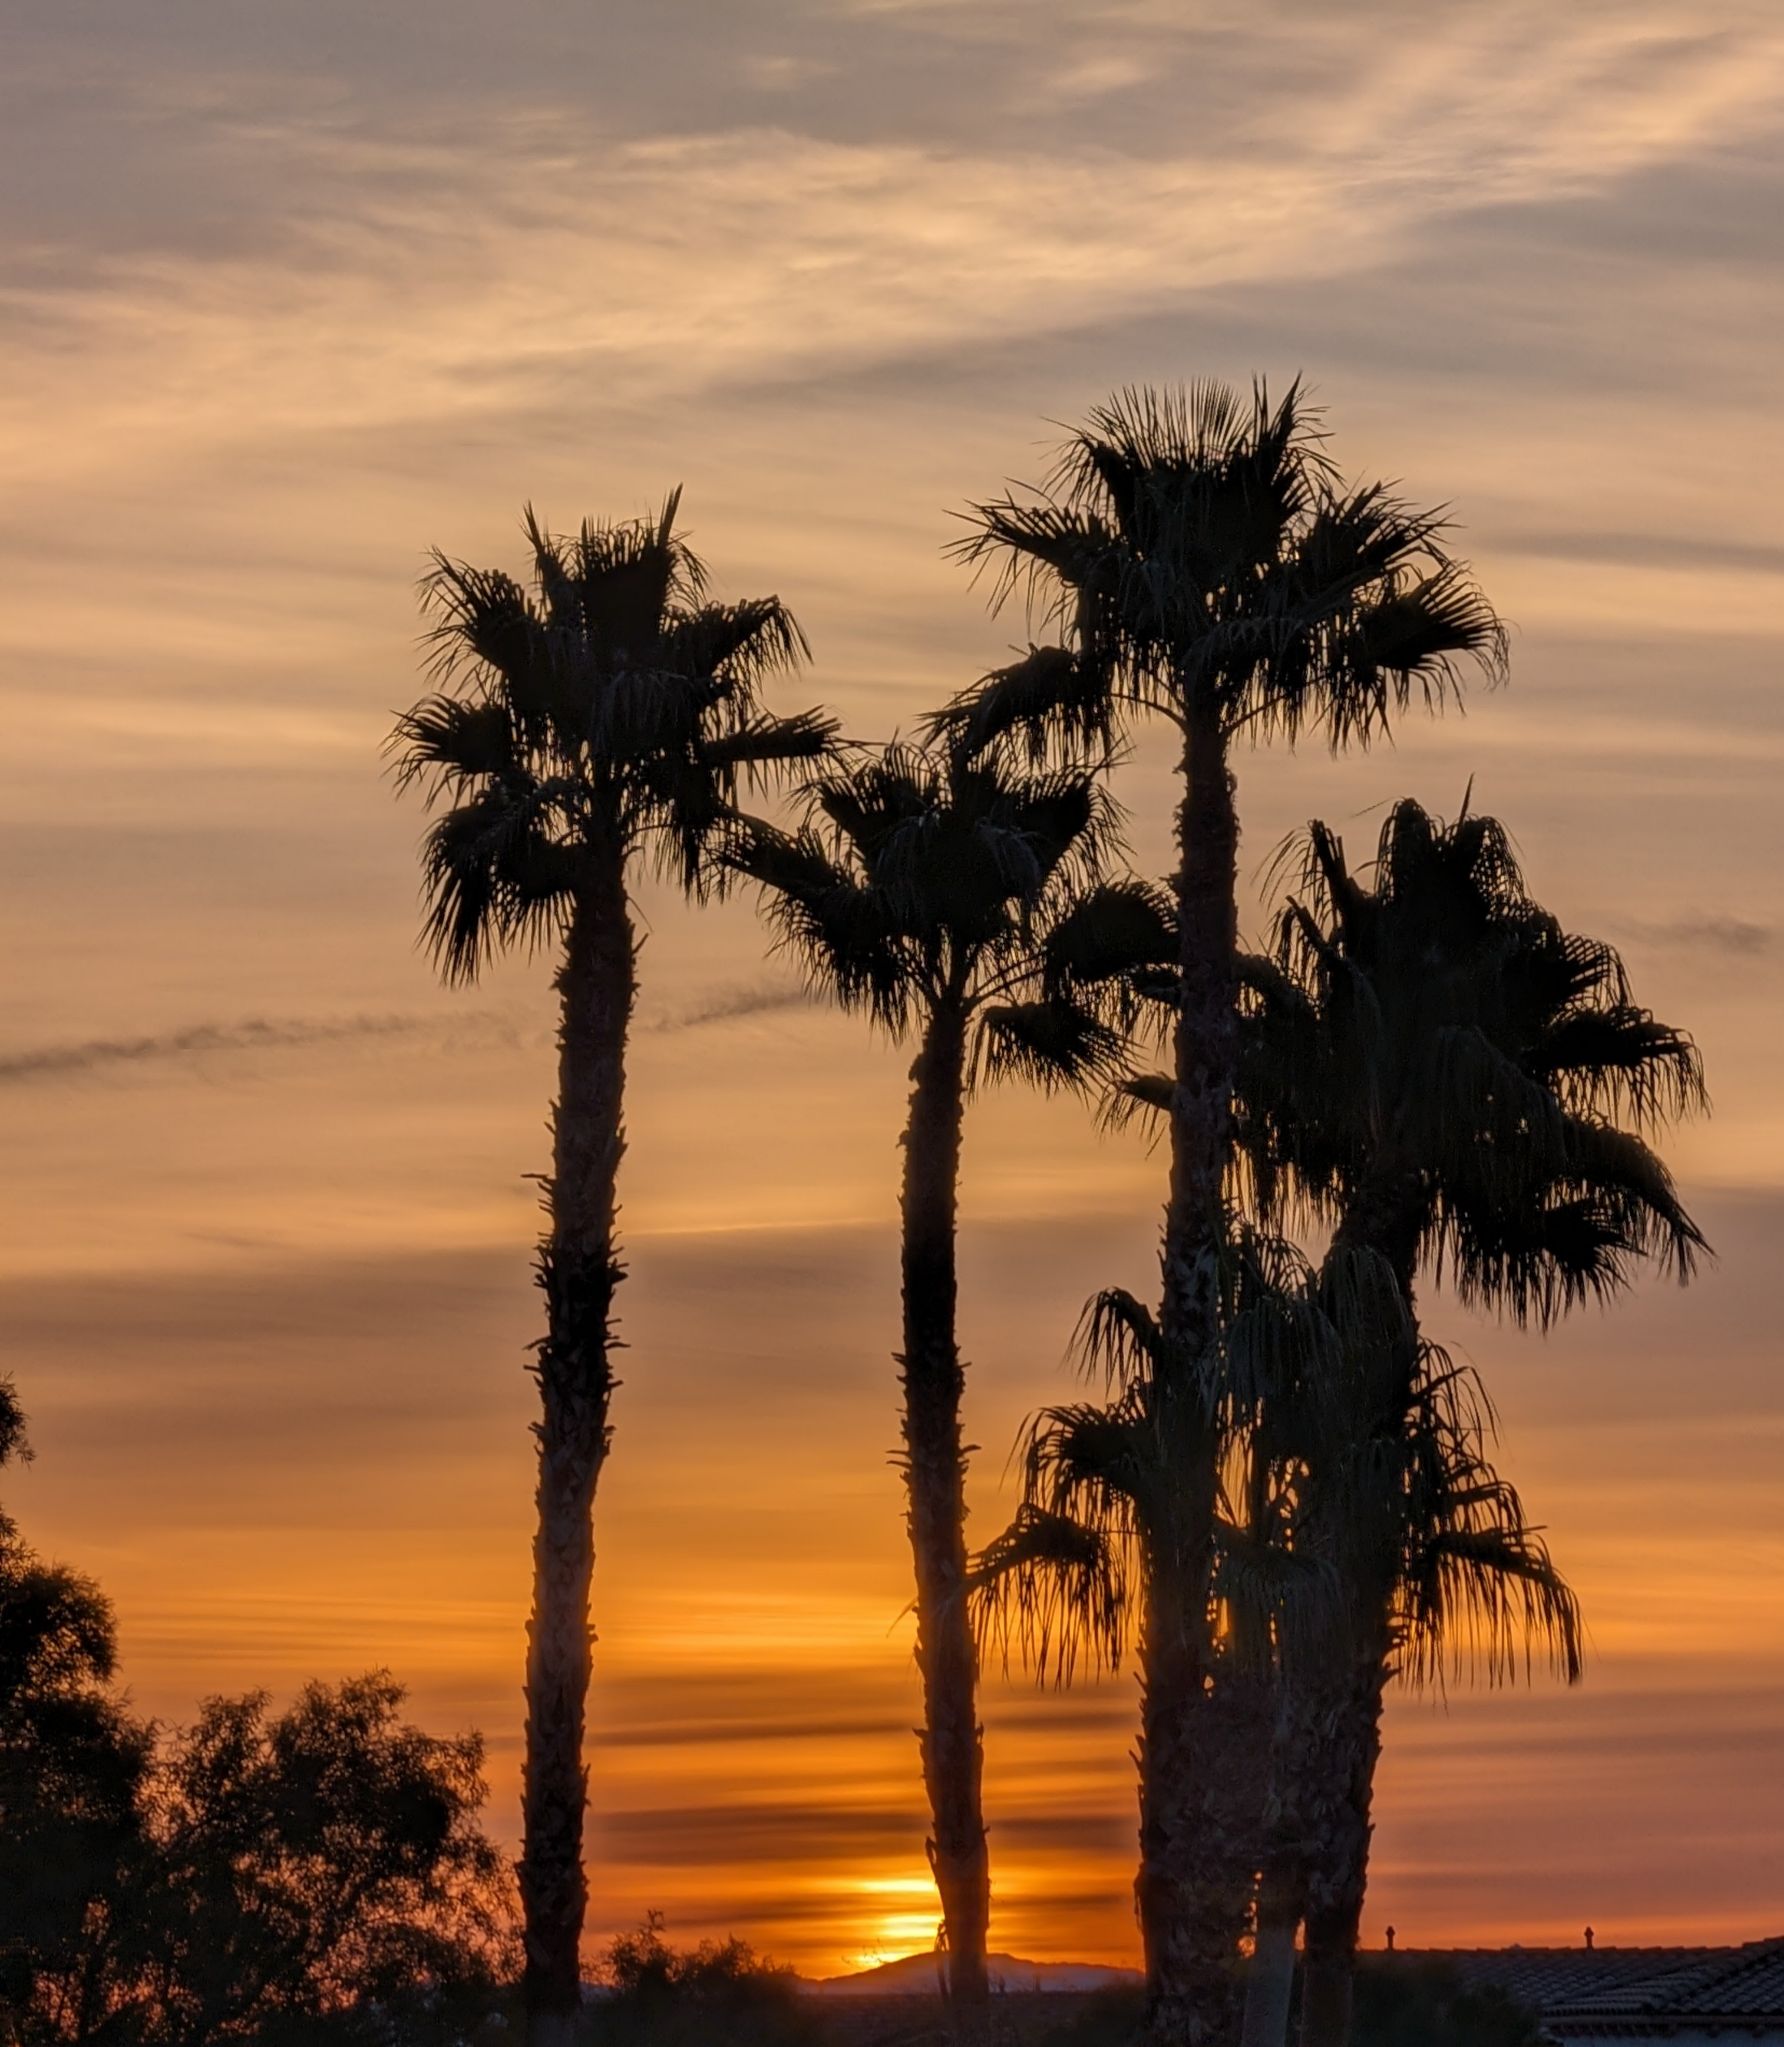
<point>292,294</point>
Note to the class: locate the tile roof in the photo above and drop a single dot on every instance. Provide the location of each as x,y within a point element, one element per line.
<point>1631,1992</point>
<point>1743,1982</point>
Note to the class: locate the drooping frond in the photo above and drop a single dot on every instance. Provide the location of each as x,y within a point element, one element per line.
<point>1118,1341</point>
<point>1049,1043</point>
<point>1054,700</point>
<point>448,743</point>
<point>1478,1592</point>
<point>1121,934</point>
<point>496,869</point>
<point>1055,1594</point>
<point>833,927</point>
<point>1490,1602</point>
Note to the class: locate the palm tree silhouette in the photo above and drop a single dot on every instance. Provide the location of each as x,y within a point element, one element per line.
<point>601,719</point>
<point>938,893</point>
<point>1204,564</point>
<point>1433,1066</point>
<point>1465,1581</point>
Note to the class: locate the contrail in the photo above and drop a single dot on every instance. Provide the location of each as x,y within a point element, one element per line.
<point>80,1058</point>
<point>75,1060</point>
<point>728,1005</point>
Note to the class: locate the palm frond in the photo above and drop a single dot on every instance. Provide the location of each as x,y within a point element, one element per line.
<point>746,643</point>
<point>1055,1594</point>
<point>1054,701</point>
<point>495,871</point>
<point>1118,1340</point>
<point>448,742</point>
<point>1049,1043</point>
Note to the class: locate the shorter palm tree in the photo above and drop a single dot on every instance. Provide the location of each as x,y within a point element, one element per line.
<point>925,888</point>
<point>1433,1066</point>
<point>1473,1587</point>
<point>1438,1572</point>
<point>609,717</point>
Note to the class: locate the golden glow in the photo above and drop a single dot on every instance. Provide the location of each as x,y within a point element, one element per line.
<point>279,321</point>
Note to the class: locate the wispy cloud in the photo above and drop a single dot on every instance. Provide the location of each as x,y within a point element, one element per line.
<point>1737,937</point>
<point>730,1005</point>
<point>78,1059</point>
<point>83,1058</point>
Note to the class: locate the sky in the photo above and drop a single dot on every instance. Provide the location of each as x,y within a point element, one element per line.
<point>289,295</point>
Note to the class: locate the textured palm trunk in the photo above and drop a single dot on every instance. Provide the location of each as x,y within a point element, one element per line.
<point>578,1272</point>
<point>1270,1980</point>
<point>1342,1717</point>
<point>935,1473</point>
<point>1199,1788</point>
<point>1338,1859</point>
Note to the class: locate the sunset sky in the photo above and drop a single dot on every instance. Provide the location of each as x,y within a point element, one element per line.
<point>290,293</point>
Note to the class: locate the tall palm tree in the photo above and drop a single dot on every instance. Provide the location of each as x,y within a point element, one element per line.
<point>1433,1066</point>
<point>926,889</point>
<point>1204,564</point>
<point>600,720</point>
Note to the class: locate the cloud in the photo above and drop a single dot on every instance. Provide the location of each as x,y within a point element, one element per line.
<point>81,1058</point>
<point>731,1005</point>
<point>1737,937</point>
<point>1648,550</point>
<point>678,262</point>
<point>84,1058</point>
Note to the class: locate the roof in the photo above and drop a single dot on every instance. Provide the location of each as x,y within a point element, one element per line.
<point>1582,1993</point>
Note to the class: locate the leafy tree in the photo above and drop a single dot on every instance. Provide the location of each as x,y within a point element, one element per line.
<point>661,1996</point>
<point>1204,564</point>
<point>1434,1067</point>
<point>317,1867</point>
<point>280,1879</point>
<point>938,893</point>
<point>601,721</point>
<point>72,1764</point>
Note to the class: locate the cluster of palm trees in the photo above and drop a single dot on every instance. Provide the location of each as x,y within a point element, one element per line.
<point>1283,1499</point>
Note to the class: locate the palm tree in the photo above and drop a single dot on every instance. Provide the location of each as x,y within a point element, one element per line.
<point>1464,1580</point>
<point>1432,1065</point>
<point>1204,564</point>
<point>602,719</point>
<point>931,890</point>
<point>1474,1588</point>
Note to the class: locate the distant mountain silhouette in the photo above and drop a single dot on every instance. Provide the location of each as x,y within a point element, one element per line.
<point>916,1973</point>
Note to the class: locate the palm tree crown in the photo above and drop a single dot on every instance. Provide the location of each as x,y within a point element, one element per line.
<point>1432,1046</point>
<point>927,878</point>
<point>611,708</point>
<point>1200,554</point>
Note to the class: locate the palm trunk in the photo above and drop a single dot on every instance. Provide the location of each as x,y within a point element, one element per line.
<point>1197,1849</point>
<point>1338,1865</point>
<point>935,1473</point>
<point>1270,1980</point>
<point>1337,1777</point>
<point>578,1271</point>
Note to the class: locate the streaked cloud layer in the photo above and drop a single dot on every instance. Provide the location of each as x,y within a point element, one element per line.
<point>293,294</point>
